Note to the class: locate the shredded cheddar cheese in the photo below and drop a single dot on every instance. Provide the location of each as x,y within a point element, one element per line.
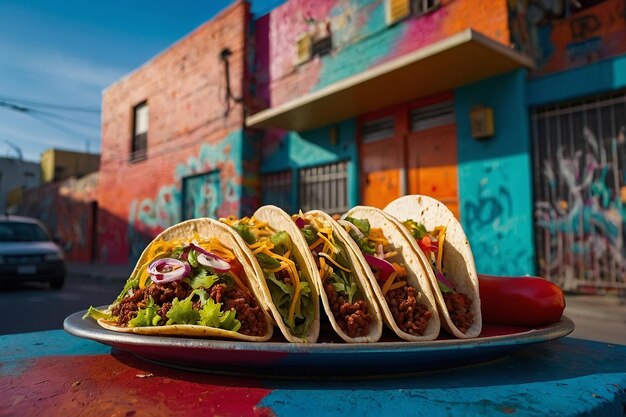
<point>388,283</point>
<point>441,239</point>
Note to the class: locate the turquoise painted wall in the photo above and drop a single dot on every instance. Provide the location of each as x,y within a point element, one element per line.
<point>295,150</point>
<point>596,78</point>
<point>495,179</point>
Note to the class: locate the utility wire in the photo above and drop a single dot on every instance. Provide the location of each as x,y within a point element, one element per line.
<point>20,102</point>
<point>41,115</point>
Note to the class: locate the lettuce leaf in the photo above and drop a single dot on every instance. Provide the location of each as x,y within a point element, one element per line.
<point>202,279</point>
<point>310,234</point>
<point>362,224</point>
<point>210,314</point>
<point>282,243</point>
<point>245,233</point>
<point>96,314</point>
<point>416,229</point>
<point>266,261</point>
<point>229,322</point>
<point>182,312</point>
<point>146,316</point>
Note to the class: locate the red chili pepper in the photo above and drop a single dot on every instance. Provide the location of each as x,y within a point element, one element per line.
<point>520,301</point>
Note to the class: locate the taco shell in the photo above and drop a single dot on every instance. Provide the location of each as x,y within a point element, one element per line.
<point>416,276</point>
<point>205,228</point>
<point>278,221</point>
<point>458,258</point>
<point>343,239</point>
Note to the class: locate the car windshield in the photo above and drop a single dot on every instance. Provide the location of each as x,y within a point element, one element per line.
<point>22,232</point>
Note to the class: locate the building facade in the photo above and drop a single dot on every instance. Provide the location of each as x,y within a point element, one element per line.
<point>512,113</point>
<point>16,176</point>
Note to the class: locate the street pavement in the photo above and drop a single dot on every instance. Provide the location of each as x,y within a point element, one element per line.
<point>597,317</point>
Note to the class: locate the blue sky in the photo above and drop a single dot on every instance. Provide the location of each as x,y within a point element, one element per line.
<point>60,54</point>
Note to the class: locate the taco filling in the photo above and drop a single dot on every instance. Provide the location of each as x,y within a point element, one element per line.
<point>459,305</point>
<point>193,284</point>
<point>290,292</point>
<point>345,299</point>
<point>410,315</point>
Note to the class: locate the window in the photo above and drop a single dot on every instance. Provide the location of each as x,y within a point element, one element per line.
<point>431,116</point>
<point>423,6</point>
<point>323,187</point>
<point>378,129</point>
<point>276,190</point>
<point>140,133</point>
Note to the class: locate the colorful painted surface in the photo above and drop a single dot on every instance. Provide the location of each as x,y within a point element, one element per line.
<point>580,202</point>
<point>560,36</point>
<point>151,215</point>
<point>68,209</point>
<point>495,178</point>
<point>361,38</point>
<point>290,151</point>
<point>54,374</point>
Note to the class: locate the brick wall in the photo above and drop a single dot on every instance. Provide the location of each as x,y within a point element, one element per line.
<point>189,128</point>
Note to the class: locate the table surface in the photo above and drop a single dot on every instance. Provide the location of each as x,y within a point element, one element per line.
<point>55,374</point>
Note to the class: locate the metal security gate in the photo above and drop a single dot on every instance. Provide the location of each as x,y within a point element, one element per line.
<point>579,157</point>
<point>323,187</point>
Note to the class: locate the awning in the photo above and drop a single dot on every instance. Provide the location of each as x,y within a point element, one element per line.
<point>458,60</point>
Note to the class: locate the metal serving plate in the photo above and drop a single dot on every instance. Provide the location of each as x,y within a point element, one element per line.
<point>330,358</point>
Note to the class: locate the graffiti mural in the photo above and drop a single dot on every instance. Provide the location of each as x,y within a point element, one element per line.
<point>491,217</point>
<point>580,205</point>
<point>151,215</point>
<point>67,208</point>
<point>560,34</point>
<point>361,39</point>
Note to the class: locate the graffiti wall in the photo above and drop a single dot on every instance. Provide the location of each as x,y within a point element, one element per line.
<point>350,36</point>
<point>495,178</point>
<point>221,198</point>
<point>68,209</point>
<point>580,204</point>
<point>562,34</point>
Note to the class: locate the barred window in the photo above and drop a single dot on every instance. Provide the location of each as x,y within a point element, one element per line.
<point>276,190</point>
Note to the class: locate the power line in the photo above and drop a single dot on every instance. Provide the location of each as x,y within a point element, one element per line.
<point>19,102</point>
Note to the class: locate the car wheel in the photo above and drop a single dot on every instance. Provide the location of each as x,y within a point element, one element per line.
<point>57,283</point>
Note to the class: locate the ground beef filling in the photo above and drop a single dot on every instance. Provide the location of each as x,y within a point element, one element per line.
<point>248,312</point>
<point>353,318</point>
<point>460,309</point>
<point>410,316</point>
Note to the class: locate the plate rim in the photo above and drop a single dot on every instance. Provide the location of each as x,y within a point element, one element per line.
<point>75,325</point>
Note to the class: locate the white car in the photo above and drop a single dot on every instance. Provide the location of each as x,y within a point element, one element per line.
<point>28,253</point>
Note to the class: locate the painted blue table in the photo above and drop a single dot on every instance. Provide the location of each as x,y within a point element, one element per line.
<point>54,374</point>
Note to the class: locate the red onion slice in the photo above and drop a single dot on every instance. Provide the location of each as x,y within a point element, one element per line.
<point>443,280</point>
<point>167,270</point>
<point>385,268</point>
<point>214,262</point>
<point>300,222</point>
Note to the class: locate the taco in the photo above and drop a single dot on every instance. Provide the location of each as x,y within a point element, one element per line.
<point>345,291</point>
<point>439,240</point>
<point>277,251</point>
<point>192,280</point>
<point>394,272</point>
